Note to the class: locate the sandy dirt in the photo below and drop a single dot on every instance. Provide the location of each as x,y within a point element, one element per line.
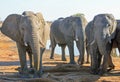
<point>55,70</point>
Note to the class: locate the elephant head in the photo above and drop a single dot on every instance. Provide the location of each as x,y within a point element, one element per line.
<point>26,30</point>
<point>104,26</point>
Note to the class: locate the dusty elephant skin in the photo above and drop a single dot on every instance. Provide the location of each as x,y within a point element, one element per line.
<point>63,32</point>
<point>102,30</point>
<point>116,40</point>
<point>89,37</point>
<point>28,31</point>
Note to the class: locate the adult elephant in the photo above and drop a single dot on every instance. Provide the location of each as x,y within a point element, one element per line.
<point>116,41</point>
<point>63,32</point>
<point>102,31</point>
<point>28,31</point>
<point>89,38</point>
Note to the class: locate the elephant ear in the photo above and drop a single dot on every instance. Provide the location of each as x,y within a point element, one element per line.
<point>46,33</point>
<point>114,26</point>
<point>10,27</point>
<point>40,19</point>
<point>41,26</point>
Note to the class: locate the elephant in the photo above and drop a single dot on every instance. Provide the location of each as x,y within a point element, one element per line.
<point>64,31</point>
<point>116,40</point>
<point>28,31</point>
<point>89,38</point>
<point>84,24</point>
<point>100,32</point>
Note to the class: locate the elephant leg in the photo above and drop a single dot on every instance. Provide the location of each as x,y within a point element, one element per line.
<point>99,58</point>
<point>104,65</point>
<point>30,58</point>
<point>88,53</point>
<point>80,46</point>
<point>22,57</point>
<point>110,64</point>
<point>71,52</point>
<point>63,52</point>
<point>106,56</point>
<point>52,52</point>
<point>94,58</point>
<point>40,68</point>
<point>94,63</point>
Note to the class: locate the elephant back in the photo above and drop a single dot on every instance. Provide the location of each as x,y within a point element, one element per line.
<point>10,26</point>
<point>27,13</point>
<point>55,31</point>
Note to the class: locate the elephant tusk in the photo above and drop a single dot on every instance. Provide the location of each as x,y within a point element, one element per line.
<point>41,43</point>
<point>25,44</point>
<point>76,39</point>
<point>92,42</point>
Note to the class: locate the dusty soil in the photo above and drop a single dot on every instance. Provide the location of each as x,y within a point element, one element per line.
<point>54,70</point>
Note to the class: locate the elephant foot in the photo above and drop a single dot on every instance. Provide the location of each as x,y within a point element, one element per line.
<point>38,74</point>
<point>110,68</point>
<point>63,59</point>
<point>24,74</point>
<point>80,62</point>
<point>101,72</point>
<point>31,70</point>
<point>72,62</point>
<point>25,71</point>
<point>94,71</point>
<point>51,57</point>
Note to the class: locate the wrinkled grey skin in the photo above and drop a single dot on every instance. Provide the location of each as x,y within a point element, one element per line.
<point>89,41</point>
<point>28,31</point>
<point>103,29</point>
<point>89,38</point>
<point>84,24</point>
<point>63,32</point>
<point>116,40</point>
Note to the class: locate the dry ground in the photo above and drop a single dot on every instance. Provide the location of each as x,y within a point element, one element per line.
<point>54,70</point>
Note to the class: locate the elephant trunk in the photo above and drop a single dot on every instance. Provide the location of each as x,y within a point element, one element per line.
<point>104,49</point>
<point>35,49</point>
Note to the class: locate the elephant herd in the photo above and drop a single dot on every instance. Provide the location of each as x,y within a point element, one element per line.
<point>30,32</point>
